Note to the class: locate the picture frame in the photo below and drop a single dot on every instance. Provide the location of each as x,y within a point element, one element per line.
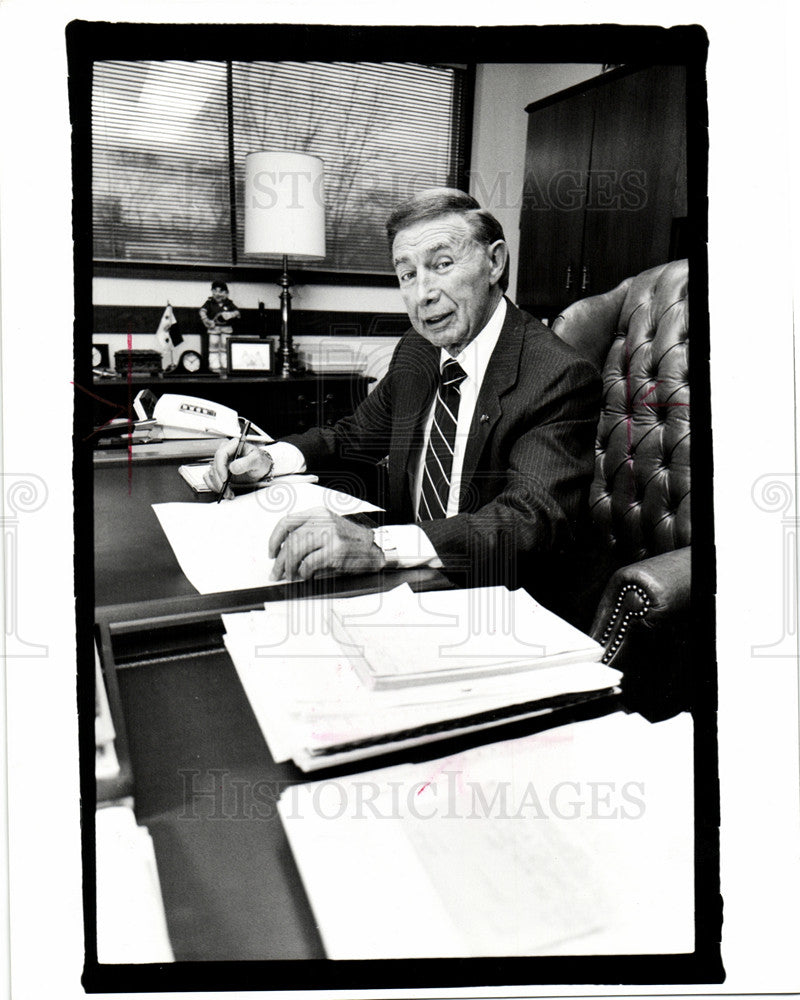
<point>250,356</point>
<point>100,356</point>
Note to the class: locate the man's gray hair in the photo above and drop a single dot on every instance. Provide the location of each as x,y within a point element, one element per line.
<point>436,202</point>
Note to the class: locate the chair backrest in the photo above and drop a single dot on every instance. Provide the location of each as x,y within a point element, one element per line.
<point>638,337</point>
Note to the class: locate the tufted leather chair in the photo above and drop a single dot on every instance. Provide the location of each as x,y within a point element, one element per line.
<point>638,336</point>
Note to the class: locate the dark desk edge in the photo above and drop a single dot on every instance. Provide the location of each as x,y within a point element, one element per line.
<point>191,606</point>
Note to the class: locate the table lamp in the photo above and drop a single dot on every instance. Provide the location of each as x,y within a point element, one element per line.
<point>284,214</point>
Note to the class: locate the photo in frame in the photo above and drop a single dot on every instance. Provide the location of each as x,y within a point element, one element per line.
<point>249,356</point>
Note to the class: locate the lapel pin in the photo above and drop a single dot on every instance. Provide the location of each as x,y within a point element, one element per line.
<point>484,418</point>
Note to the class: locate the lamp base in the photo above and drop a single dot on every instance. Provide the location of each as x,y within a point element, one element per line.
<point>287,364</point>
<point>286,356</point>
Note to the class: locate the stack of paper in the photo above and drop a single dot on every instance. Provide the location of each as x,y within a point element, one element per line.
<point>576,840</point>
<point>313,707</point>
<point>131,924</point>
<point>474,633</point>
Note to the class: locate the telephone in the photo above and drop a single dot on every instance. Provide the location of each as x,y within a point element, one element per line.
<point>189,416</point>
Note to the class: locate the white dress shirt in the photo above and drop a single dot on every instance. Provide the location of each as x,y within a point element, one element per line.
<point>411,544</point>
<point>473,360</point>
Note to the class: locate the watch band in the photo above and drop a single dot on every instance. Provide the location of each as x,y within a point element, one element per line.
<point>383,539</point>
<point>264,449</point>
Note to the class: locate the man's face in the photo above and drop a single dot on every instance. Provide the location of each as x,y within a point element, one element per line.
<point>448,281</point>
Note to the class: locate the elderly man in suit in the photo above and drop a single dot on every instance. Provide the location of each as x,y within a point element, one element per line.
<point>487,418</point>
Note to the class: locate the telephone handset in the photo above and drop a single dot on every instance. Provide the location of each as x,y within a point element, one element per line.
<point>189,416</point>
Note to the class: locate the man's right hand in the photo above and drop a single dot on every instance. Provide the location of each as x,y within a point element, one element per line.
<point>251,466</point>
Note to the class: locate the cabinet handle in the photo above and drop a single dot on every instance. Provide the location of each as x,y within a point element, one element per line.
<point>585,279</point>
<point>568,284</point>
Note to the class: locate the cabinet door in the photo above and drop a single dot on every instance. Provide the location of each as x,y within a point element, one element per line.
<point>554,198</point>
<point>636,185</point>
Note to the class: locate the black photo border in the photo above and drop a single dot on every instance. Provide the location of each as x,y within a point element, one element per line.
<point>87,42</point>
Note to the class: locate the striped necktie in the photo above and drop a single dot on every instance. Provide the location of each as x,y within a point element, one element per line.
<point>438,465</point>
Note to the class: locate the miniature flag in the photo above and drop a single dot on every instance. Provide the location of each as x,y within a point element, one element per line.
<point>166,339</point>
<point>164,334</point>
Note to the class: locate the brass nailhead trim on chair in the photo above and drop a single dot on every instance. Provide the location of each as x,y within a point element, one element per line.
<point>629,614</point>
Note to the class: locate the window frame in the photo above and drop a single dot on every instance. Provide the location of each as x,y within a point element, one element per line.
<point>301,273</point>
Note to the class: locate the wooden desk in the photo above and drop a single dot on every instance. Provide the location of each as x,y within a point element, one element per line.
<point>228,880</point>
<point>134,561</point>
<point>205,784</point>
<point>230,886</point>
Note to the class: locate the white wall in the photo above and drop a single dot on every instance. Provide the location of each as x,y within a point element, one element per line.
<point>246,295</point>
<point>502,91</point>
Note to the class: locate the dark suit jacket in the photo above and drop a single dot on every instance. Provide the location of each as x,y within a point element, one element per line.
<point>528,462</point>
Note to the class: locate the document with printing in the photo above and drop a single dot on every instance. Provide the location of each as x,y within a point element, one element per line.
<point>223,546</point>
<point>571,841</point>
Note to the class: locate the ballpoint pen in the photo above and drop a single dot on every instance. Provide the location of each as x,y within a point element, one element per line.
<point>237,454</point>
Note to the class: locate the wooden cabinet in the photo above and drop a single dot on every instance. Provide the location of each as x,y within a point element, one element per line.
<point>279,406</point>
<point>605,185</point>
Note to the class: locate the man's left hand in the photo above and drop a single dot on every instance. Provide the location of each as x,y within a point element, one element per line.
<point>318,541</point>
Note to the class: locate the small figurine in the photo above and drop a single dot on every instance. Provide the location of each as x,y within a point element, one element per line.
<point>217,313</point>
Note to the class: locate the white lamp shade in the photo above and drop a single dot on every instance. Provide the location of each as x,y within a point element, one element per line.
<point>284,204</point>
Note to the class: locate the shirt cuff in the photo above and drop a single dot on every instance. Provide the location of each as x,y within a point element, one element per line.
<point>286,459</point>
<point>411,545</point>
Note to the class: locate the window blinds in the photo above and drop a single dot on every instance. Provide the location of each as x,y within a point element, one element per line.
<point>169,141</point>
<point>160,162</point>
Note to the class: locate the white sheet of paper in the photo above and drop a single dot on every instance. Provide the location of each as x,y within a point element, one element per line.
<point>131,923</point>
<point>454,634</point>
<point>576,840</point>
<point>223,546</point>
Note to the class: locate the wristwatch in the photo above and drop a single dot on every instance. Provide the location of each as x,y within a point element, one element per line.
<point>383,539</point>
<point>271,474</point>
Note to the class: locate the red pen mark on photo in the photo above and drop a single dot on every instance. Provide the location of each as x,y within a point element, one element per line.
<point>442,769</point>
<point>118,410</point>
<point>629,419</point>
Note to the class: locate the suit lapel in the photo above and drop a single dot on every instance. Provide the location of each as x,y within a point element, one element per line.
<point>416,386</point>
<point>501,375</point>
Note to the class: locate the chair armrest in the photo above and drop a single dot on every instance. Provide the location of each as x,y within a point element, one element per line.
<point>650,592</point>
<point>642,622</point>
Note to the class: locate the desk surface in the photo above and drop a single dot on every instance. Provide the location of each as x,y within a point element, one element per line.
<point>230,886</point>
<point>134,562</point>
<point>205,783</point>
<point>133,559</point>
<point>206,787</point>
